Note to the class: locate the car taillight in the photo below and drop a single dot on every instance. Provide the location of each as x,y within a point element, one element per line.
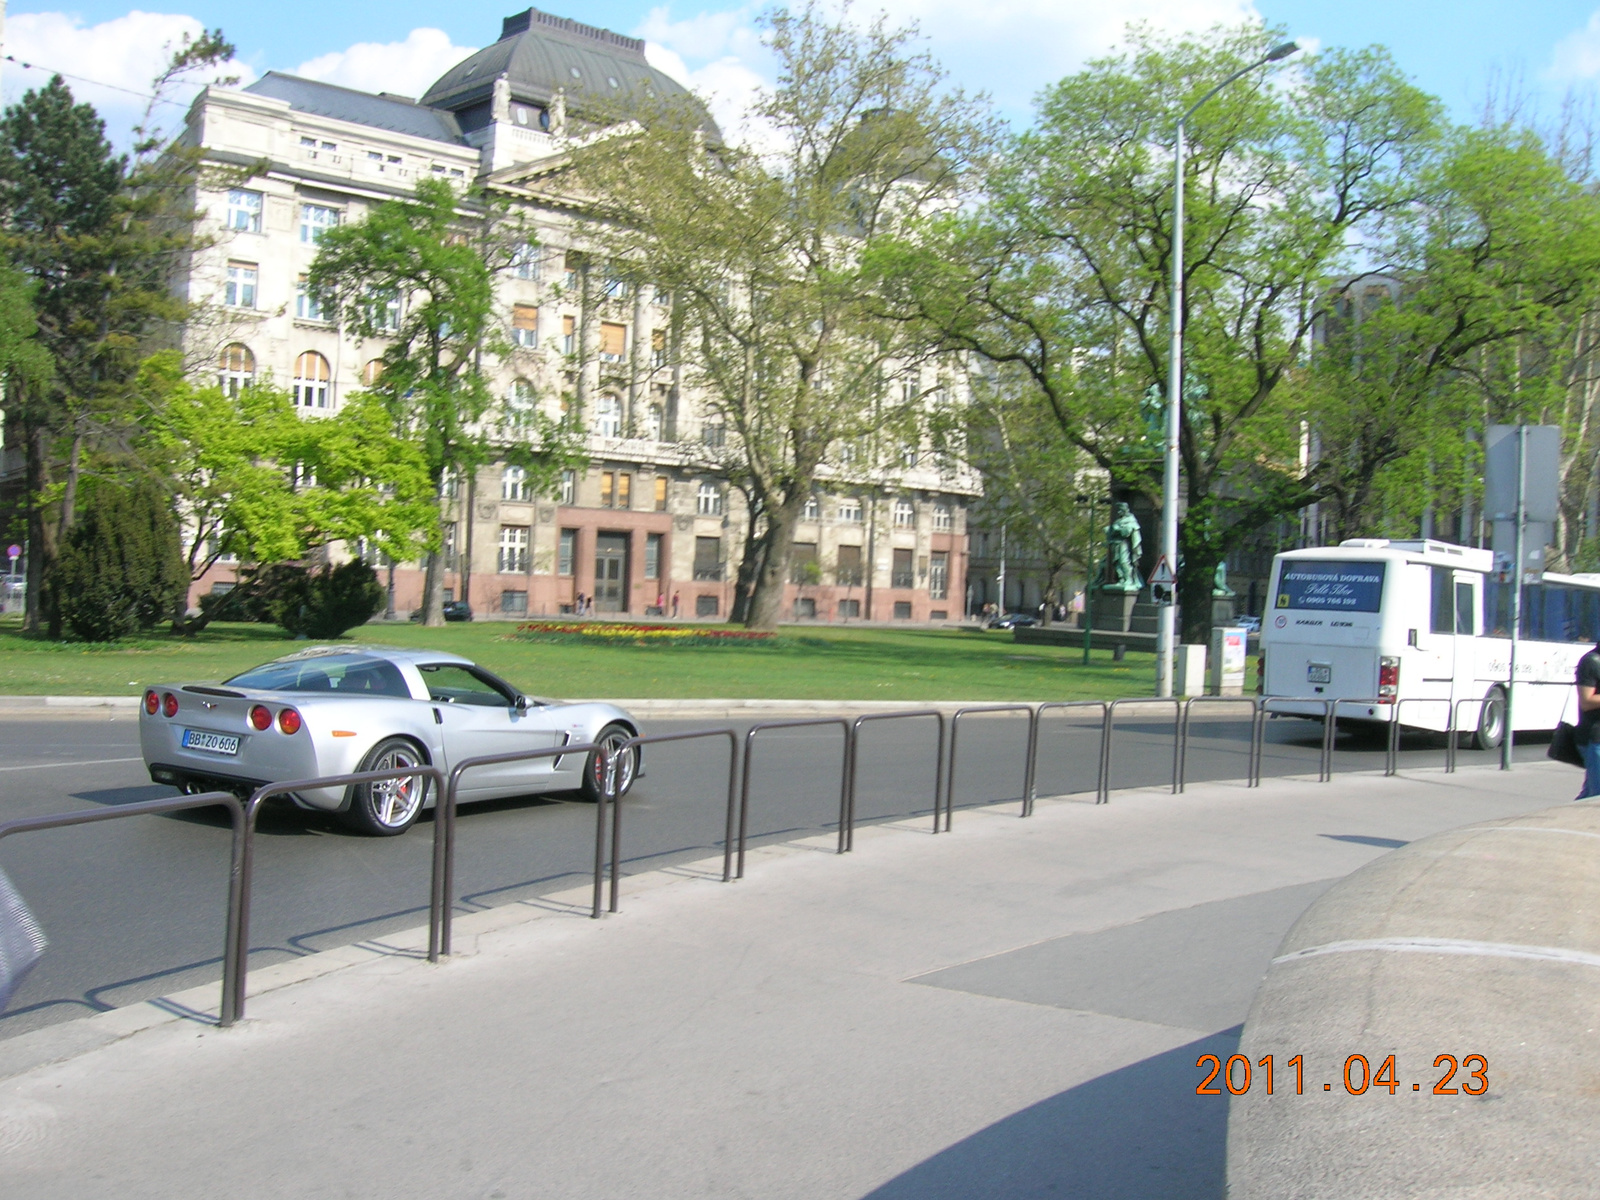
<point>152,702</point>
<point>261,717</point>
<point>289,720</point>
<point>1388,677</point>
<point>169,705</point>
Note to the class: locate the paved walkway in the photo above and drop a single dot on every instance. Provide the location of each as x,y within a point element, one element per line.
<point>1010,1011</point>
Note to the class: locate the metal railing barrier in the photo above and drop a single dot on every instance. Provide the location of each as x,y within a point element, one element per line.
<point>1183,735</point>
<point>847,814</point>
<point>616,801</point>
<point>1391,758</point>
<point>744,788</point>
<point>440,903</point>
<point>1100,793</point>
<point>1267,705</point>
<point>231,1006</point>
<point>1450,748</point>
<point>239,958</point>
<point>1027,768</point>
<point>1177,736</point>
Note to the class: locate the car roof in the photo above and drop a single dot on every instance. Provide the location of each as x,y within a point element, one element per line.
<point>396,654</point>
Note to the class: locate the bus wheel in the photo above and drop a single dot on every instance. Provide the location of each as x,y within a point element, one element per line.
<point>1491,721</point>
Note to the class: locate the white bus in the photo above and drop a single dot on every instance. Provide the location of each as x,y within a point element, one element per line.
<point>1381,622</point>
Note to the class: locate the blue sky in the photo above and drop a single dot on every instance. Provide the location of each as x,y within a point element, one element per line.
<point>1009,48</point>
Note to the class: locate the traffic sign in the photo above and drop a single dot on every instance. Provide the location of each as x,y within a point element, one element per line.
<point>14,551</point>
<point>1162,574</point>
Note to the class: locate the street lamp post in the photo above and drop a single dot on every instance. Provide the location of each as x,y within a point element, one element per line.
<point>1169,472</point>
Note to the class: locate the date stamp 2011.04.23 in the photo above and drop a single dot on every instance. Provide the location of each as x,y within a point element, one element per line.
<point>1451,1076</point>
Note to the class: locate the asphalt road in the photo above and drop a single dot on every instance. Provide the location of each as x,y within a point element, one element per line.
<point>134,909</point>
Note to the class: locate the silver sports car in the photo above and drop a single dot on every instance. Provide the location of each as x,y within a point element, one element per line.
<point>335,710</point>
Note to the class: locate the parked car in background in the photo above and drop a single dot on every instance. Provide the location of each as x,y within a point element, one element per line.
<point>454,610</point>
<point>1011,620</point>
<point>336,710</point>
<point>1248,623</point>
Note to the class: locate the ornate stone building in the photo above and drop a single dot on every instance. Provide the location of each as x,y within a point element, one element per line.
<point>651,522</point>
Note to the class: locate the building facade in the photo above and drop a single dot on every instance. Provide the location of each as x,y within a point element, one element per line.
<point>652,524</point>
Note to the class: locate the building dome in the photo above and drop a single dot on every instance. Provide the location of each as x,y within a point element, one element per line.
<point>539,55</point>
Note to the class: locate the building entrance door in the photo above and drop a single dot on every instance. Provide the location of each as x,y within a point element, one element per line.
<point>611,572</point>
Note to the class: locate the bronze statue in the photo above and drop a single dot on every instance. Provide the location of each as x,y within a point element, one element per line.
<point>1124,544</point>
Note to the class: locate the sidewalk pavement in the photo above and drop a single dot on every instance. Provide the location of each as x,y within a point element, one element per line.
<point>1012,1010</point>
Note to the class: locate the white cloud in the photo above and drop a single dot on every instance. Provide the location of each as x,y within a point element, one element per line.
<point>1577,56</point>
<point>406,68</point>
<point>125,52</point>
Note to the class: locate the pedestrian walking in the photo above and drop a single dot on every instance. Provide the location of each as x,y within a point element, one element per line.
<point>675,596</point>
<point>1588,730</point>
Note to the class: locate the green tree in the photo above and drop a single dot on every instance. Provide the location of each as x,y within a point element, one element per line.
<point>120,568</point>
<point>762,250</point>
<point>437,255</point>
<point>1062,275</point>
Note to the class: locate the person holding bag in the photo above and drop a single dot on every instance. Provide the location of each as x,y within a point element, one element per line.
<point>1588,726</point>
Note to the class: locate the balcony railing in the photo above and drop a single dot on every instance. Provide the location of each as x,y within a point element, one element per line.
<point>708,572</point>
<point>902,579</point>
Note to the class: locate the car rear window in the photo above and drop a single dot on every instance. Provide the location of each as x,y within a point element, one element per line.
<point>1321,584</point>
<point>343,674</point>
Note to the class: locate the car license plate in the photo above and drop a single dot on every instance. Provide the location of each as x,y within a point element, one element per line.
<point>215,743</point>
<point>1319,673</point>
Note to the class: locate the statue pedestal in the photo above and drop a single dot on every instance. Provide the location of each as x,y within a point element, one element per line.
<point>1222,609</point>
<point>1114,610</point>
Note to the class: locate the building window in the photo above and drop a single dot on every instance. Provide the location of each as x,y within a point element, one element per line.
<point>449,545</point>
<point>848,572</point>
<point>849,608</point>
<point>525,261</point>
<point>570,278</point>
<point>900,572</point>
<point>850,510</point>
<point>608,486</point>
<point>608,416</point>
<point>383,311</point>
<point>708,500</point>
<point>803,568</point>
<point>942,522</point>
<point>705,606</point>
<point>613,341</point>
<point>569,335</point>
<point>521,402</point>
<point>905,516</point>
<point>236,368</point>
<point>902,610</point>
<point>240,289</point>
<point>652,556</point>
<point>566,551</point>
<point>661,493</point>
<point>525,325</point>
<point>910,456</point>
<point>714,435</point>
<point>514,484</point>
<point>569,487</point>
<point>310,384</point>
<point>244,211</point>
<point>316,220</point>
<point>812,510</point>
<point>653,423</point>
<point>707,558</point>
<point>624,490</point>
<point>662,297</point>
<point>514,601</point>
<point>615,287</point>
<point>658,347</point>
<point>939,575</point>
<point>513,549</point>
<point>372,373</point>
<point>805,608</point>
<point>307,305</point>
<point>449,484</point>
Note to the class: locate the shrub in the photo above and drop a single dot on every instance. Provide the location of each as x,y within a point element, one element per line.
<point>325,603</point>
<point>121,566</point>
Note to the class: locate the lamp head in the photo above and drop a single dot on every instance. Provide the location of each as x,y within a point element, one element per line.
<point>1280,52</point>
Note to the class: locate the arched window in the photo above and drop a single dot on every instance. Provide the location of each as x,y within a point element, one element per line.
<point>372,373</point>
<point>236,368</point>
<point>310,384</point>
<point>608,416</point>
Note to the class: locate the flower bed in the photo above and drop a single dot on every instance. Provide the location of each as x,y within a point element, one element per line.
<point>622,633</point>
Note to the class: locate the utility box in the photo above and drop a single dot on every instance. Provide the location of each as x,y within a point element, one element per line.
<point>1227,661</point>
<point>1189,679</point>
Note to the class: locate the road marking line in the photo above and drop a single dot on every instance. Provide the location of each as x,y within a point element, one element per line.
<point>86,762</point>
<point>1427,945</point>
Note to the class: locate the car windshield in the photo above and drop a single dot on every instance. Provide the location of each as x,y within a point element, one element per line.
<point>346,674</point>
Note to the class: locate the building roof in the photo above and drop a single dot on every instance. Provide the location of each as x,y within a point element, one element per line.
<point>540,54</point>
<point>394,113</point>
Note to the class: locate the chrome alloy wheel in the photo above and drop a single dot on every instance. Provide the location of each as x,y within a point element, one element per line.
<point>395,801</point>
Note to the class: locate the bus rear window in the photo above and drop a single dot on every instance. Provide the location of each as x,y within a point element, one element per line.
<point>1330,586</point>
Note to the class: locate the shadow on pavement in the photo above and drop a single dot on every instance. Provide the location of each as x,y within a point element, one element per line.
<point>1137,1132</point>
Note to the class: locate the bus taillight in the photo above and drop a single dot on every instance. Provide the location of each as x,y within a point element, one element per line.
<point>1388,677</point>
<point>1261,672</point>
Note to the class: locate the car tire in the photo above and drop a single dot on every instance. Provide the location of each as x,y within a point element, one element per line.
<point>1491,729</point>
<point>611,736</point>
<point>387,809</point>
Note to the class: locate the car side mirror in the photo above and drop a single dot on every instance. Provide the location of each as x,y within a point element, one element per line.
<point>521,703</point>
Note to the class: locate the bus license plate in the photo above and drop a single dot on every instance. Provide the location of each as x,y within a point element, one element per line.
<point>215,743</point>
<point>1319,673</point>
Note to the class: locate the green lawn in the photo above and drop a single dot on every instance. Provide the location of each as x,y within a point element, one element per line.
<point>803,664</point>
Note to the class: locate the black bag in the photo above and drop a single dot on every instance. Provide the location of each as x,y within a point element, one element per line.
<point>1564,745</point>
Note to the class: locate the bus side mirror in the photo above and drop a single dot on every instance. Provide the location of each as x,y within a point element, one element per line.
<point>1411,638</point>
